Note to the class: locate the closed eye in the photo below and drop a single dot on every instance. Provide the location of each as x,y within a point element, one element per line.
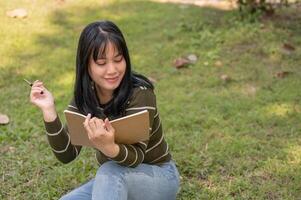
<point>101,62</point>
<point>119,59</point>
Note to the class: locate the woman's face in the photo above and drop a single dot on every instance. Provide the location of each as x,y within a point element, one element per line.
<point>108,71</point>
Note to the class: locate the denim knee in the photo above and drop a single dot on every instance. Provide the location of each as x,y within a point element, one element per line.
<point>110,168</point>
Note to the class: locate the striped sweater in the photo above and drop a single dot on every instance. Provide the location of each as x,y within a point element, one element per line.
<point>153,151</point>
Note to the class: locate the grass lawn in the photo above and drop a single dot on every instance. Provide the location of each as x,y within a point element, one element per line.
<point>237,139</point>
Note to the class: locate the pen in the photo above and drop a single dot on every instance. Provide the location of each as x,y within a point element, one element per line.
<point>29,83</point>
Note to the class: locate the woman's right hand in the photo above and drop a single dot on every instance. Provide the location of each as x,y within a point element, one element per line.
<point>44,101</point>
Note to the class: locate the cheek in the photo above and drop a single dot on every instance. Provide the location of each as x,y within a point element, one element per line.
<point>95,72</point>
<point>123,67</point>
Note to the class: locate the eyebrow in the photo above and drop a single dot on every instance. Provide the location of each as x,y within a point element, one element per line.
<point>119,54</point>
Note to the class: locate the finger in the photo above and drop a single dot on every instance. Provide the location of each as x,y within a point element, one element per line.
<point>37,83</point>
<point>100,125</point>
<point>36,93</point>
<point>89,132</point>
<point>41,90</point>
<point>101,122</point>
<point>38,87</point>
<point>35,90</point>
<point>108,125</point>
<point>86,122</point>
<point>92,124</point>
<point>87,127</point>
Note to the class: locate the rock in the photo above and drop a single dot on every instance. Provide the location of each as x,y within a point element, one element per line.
<point>3,119</point>
<point>192,58</point>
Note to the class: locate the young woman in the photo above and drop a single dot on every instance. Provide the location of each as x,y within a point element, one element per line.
<point>105,89</point>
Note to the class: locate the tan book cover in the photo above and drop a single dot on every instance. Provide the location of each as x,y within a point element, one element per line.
<point>128,130</point>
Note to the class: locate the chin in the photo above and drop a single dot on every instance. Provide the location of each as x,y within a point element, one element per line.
<point>112,87</point>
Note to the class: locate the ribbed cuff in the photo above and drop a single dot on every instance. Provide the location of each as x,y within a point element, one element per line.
<point>122,154</point>
<point>54,126</point>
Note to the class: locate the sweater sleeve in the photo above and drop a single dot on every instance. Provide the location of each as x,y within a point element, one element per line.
<point>59,139</point>
<point>132,155</point>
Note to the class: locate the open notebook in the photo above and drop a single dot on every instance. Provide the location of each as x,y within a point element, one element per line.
<point>128,130</point>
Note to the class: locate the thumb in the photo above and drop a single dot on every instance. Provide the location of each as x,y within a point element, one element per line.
<point>108,125</point>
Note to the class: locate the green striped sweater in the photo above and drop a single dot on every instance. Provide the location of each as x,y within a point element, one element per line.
<point>153,151</point>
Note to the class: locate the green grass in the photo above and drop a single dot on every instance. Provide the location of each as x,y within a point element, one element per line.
<point>234,140</point>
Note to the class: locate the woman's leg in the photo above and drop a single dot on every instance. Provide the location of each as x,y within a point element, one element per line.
<point>152,182</point>
<point>83,192</point>
<point>109,182</point>
<point>147,182</point>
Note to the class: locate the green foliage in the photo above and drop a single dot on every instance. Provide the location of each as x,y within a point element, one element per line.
<point>231,140</point>
<point>259,7</point>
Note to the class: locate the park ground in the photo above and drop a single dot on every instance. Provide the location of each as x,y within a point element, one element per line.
<point>232,119</point>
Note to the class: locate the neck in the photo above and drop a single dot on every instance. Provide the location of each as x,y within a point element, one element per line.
<point>103,95</point>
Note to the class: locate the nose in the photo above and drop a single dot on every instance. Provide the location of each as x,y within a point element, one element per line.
<point>111,68</point>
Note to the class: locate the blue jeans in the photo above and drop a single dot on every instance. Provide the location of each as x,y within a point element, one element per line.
<point>113,181</point>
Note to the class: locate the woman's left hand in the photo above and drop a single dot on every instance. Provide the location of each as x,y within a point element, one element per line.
<point>102,135</point>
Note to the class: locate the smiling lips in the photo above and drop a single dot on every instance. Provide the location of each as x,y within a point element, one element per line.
<point>112,80</point>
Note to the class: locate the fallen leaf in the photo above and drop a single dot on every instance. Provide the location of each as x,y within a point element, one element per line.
<point>181,63</point>
<point>288,47</point>
<point>282,74</point>
<point>7,148</point>
<point>225,78</point>
<point>218,63</point>
<point>3,119</point>
<point>17,13</point>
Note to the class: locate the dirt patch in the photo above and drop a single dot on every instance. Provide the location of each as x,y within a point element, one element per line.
<point>217,4</point>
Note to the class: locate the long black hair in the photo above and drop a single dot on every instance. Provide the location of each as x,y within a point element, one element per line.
<point>92,43</point>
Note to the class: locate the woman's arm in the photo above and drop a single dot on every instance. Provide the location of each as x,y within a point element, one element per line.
<point>59,140</point>
<point>57,134</point>
<point>133,155</point>
<point>102,134</point>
